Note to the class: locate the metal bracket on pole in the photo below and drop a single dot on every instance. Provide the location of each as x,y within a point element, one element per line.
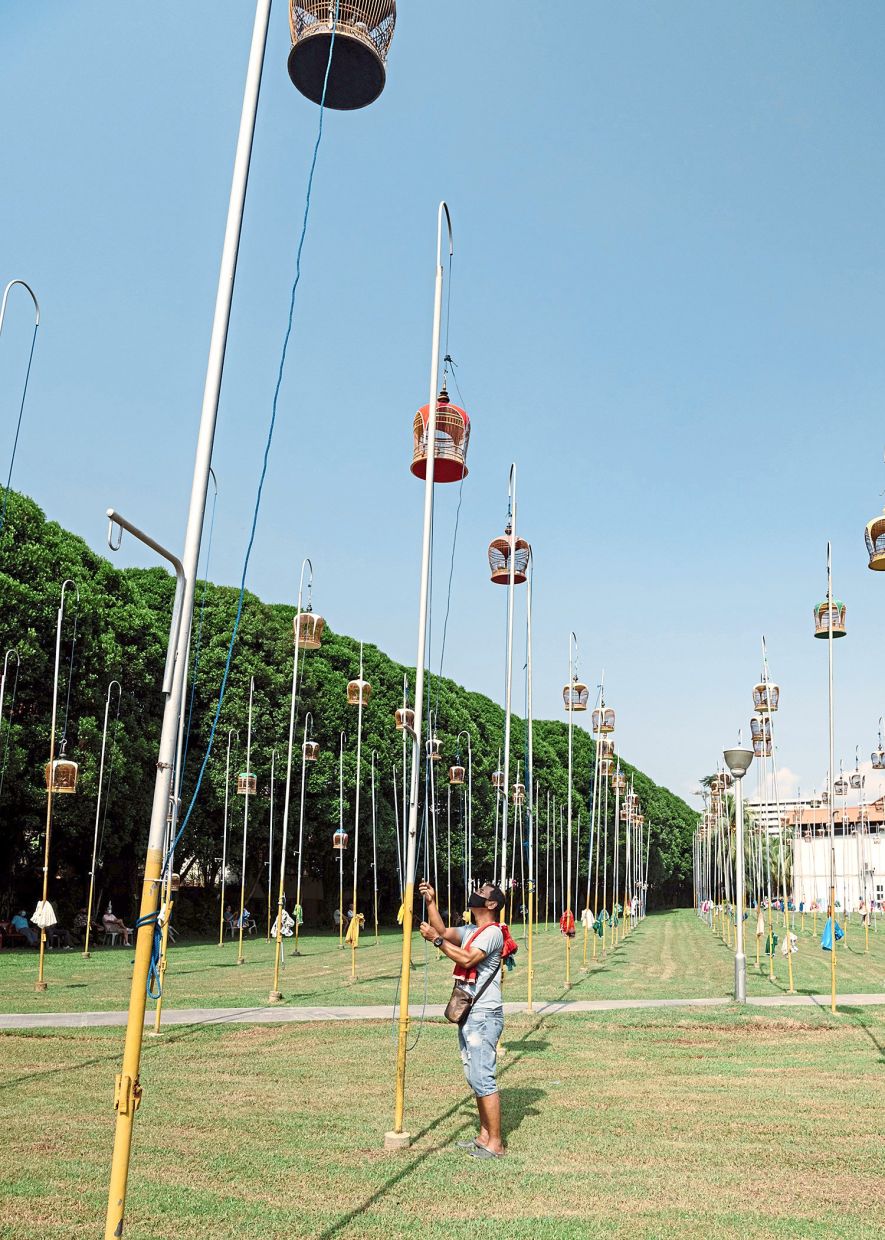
<point>114,519</point>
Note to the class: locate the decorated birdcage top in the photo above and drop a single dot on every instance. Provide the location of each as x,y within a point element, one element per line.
<point>404,717</point>
<point>311,750</point>
<point>517,795</point>
<point>247,784</point>
<point>452,438</point>
<point>358,68</point>
<point>497,779</point>
<point>603,720</point>
<point>619,782</point>
<point>456,774</point>
<point>339,840</point>
<point>61,774</point>
<point>823,619</point>
<point>500,552</point>
<point>358,692</point>
<point>760,728</point>
<point>308,630</point>
<point>434,748</point>
<point>575,695</point>
<point>765,697</point>
<point>875,539</point>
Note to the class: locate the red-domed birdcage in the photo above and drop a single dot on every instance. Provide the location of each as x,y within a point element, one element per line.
<point>358,692</point>
<point>247,784</point>
<point>602,721</point>
<point>823,619</point>
<point>497,779</point>
<point>308,630</point>
<point>875,539</point>
<point>339,840</point>
<point>456,775</point>
<point>61,774</point>
<point>575,695</point>
<point>404,717</point>
<point>358,67</point>
<point>311,751</point>
<point>452,438</point>
<point>766,696</point>
<point>500,552</point>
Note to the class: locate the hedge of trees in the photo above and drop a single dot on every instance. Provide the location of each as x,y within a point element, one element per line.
<point>122,621</point>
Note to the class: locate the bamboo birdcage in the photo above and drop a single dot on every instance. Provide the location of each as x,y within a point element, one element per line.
<point>500,552</point>
<point>434,748</point>
<point>456,774</point>
<point>497,779</point>
<point>339,840</point>
<point>602,720</point>
<point>856,780</point>
<point>311,750</point>
<point>877,757</point>
<point>760,728</point>
<point>823,620</point>
<point>840,787</point>
<point>761,748</point>
<point>575,695</point>
<point>875,539</point>
<point>308,628</point>
<point>619,782</point>
<point>63,777</point>
<point>452,439</point>
<point>606,765</point>
<point>404,718</point>
<point>358,692</point>
<point>247,784</point>
<point>765,697</point>
<point>357,69</point>
<point>517,795</point>
<point>606,749</point>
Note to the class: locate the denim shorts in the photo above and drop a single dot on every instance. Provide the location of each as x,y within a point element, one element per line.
<point>478,1037</point>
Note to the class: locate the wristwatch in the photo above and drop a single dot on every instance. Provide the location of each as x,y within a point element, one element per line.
<point>438,941</point>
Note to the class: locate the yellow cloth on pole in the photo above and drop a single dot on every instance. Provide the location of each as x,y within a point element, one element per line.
<point>401,914</point>
<point>353,930</point>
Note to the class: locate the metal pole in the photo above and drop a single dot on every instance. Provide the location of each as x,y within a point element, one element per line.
<point>273,760</point>
<point>397,1138</point>
<point>10,651</point>
<point>232,732</point>
<point>128,1091</point>
<point>571,726</point>
<point>308,722</point>
<point>241,959</point>
<point>104,737</point>
<point>41,983</point>
<point>354,938</point>
<point>341,739</point>
<point>374,850</point>
<point>832,761</point>
<point>508,684</point>
<point>529,777</point>
<point>740,959</point>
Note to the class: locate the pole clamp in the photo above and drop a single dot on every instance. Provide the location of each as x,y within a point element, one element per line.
<point>127,1094</point>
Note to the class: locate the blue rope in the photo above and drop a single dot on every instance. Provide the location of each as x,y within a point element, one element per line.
<point>267,447</point>
<point>154,988</point>
<point>18,429</point>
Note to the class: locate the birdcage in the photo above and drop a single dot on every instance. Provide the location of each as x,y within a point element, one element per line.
<point>456,774</point>
<point>352,50</point>
<point>358,692</point>
<point>840,787</point>
<point>339,840</point>
<point>825,797</point>
<point>497,779</point>
<point>404,717</point>
<point>606,749</point>
<point>823,619</point>
<point>308,630</point>
<point>606,765</point>
<point>760,728</point>
<point>63,776</point>
<point>500,552</point>
<point>311,750</point>
<point>603,720</point>
<point>434,748</point>
<point>877,757</point>
<point>619,782</point>
<point>247,784</point>
<point>875,538</point>
<point>633,800</point>
<point>765,697</point>
<point>575,695</point>
<point>452,438</point>
<point>517,795</point>
<point>856,780</point>
<point>639,819</point>
<point>762,748</point>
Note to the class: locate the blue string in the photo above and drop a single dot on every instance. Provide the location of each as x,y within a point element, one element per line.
<point>267,447</point>
<point>154,988</point>
<point>190,709</point>
<point>18,428</point>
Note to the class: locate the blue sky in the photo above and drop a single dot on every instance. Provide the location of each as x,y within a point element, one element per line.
<point>668,308</point>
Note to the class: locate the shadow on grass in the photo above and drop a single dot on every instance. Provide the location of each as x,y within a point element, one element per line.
<point>858,1018</point>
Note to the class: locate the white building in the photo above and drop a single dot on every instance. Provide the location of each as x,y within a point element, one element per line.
<point>859,850</point>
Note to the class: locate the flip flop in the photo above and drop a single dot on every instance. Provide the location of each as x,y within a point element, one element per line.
<point>466,1145</point>
<point>482,1151</point>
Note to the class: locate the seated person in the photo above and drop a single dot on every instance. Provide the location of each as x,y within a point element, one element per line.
<point>115,925</point>
<point>80,922</point>
<point>20,923</point>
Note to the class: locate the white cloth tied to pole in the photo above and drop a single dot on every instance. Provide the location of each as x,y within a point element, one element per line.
<point>44,915</point>
<point>288,926</point>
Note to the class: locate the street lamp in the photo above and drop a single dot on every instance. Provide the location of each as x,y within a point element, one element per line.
<point>738,762</point>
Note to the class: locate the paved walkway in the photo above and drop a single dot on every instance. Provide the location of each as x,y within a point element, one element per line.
<point>322,1015</point>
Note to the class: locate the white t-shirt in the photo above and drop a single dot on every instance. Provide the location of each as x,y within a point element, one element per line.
<point>490,941</point>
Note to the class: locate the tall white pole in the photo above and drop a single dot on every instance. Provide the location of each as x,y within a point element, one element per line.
<point>104,738</point>
<point>273,761</point>
<point>241,959</point>
<point>568,881</point>
<point>397,1138</point>
<point>232,732</point>
<point>354,938</point>
<point>529,780</point>
<point>832,751</point>
<point>508,684</point>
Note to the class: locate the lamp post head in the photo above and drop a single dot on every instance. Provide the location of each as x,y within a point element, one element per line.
<point>738,761</point>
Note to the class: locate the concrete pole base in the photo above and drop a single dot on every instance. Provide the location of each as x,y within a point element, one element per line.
<point>397,1141</point>
<point>38,986</point>
<point>241,959</point>
<point>740,979</point>
<point>275,996</point>
<point>86,955</point>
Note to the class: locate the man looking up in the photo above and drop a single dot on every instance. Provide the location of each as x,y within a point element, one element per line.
<point>476,952</point>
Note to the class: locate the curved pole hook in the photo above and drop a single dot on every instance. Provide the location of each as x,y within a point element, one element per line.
<point>443,210</point>
<point>26,286</point>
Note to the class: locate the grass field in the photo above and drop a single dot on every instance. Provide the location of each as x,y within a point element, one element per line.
<point>669,955</point>
<point>644,1125</point>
